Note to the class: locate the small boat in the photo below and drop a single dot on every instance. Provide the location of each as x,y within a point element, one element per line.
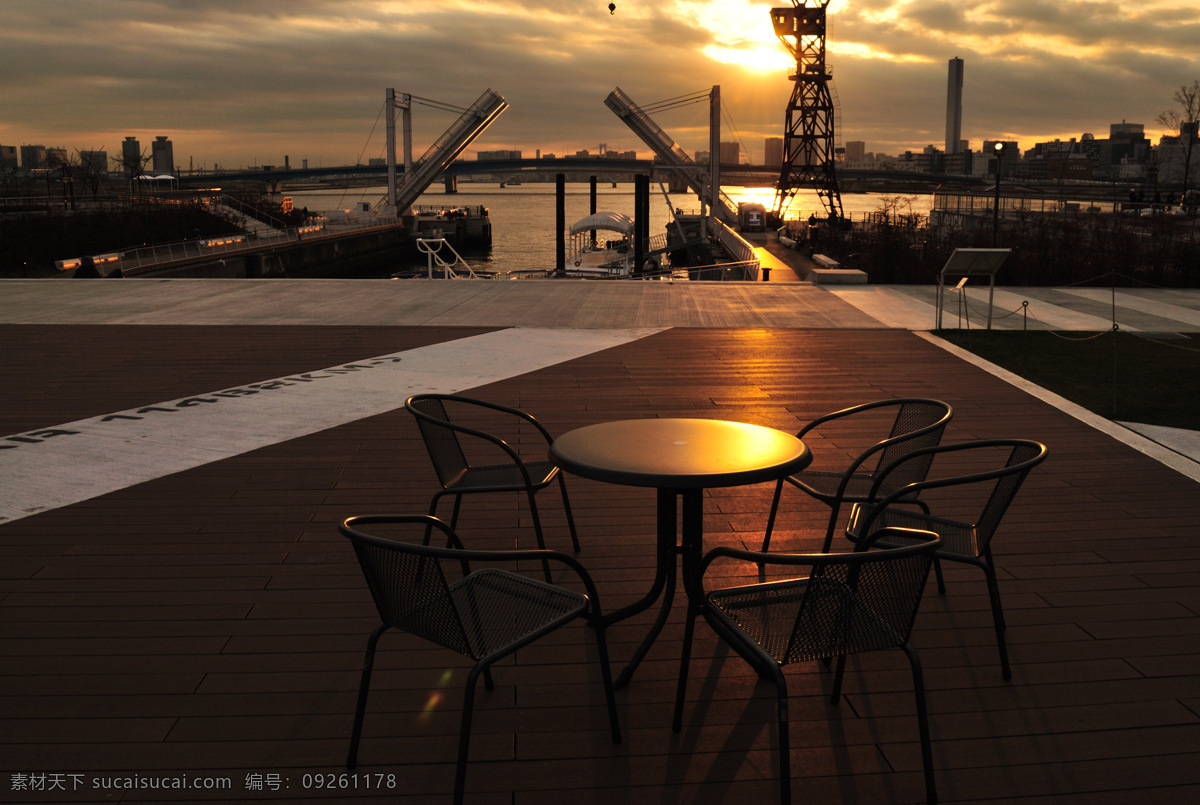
<point>589,254</point>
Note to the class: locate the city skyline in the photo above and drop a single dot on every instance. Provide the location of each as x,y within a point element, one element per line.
<point>247,83</point>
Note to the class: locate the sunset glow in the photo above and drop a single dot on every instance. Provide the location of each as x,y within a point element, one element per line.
<point>247,84</point>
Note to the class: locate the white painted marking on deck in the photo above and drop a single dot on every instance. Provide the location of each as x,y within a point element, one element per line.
<point>1157,307</point>
<point>64,464</point>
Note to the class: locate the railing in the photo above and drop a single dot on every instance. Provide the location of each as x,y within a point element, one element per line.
<point>139,259</point>
<point>432,248</point>
<point>445,150</point>
<point>737,246</point>
<point>667,150</point>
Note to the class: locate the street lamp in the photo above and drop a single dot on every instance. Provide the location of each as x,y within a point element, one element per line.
<point>996,207</point>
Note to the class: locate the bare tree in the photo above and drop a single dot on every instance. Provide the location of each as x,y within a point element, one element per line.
<point>1184,120</point>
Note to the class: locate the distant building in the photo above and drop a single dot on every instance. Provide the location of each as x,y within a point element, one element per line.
<point>731,153</point>
<point>33,157</point>
<point>773,152</point>
<point>498,156</point>
<point>856,151</point>
<point>8,157</point>
<point>954,87</point>
<point>94,162</point>
<point>131,157</point>
<point>701,157</point>
<point>1176,151</point>
<point>162,155</point>
<point>56,157</point>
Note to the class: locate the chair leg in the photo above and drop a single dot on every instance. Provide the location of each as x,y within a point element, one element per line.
<point>610,698</point>
<point>922,724</point>
<point>989,572</point>
<point>433,507</point>
<point>464,734</point>
<point>562,485</point>
<point>771,518</point>
<point>838,676</point>
<point>937,572</point>
<point>541,538</point>
<point>685,658</point>
<point>785,747</point>
<point>364,686</point>
<point>835,509</point>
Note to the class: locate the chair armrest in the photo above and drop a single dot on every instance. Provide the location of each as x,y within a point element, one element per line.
<point>456,552</point>
<point>914,489</point>
<point>857,462</point>
<point>481,434</point>
<point>504,409</point>
<point>814,560</point>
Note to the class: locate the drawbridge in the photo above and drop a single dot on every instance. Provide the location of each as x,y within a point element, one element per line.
<point>669,153</point>
<point>418,175</point>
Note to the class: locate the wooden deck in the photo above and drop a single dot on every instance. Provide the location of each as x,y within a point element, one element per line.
<point>211,623</point>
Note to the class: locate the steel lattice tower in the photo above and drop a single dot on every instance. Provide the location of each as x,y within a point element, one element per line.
<point>808,143</point>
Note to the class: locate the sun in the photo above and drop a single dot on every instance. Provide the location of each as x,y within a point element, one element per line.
<point>756,58</point>
<point>741,30</point>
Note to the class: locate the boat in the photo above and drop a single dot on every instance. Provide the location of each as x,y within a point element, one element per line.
<point>589,254</point>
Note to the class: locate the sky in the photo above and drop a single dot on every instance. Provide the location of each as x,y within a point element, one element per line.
<point>246,82</point>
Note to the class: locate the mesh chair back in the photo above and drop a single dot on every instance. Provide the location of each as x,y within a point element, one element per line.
<point>925,418</point>
<point>850,603</point>
<point>411,592</point>
<point>867,602</point>
<point>441,441</point>
<point>1023,458</point>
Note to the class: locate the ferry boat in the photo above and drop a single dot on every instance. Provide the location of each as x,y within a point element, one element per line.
<point>590,254</point>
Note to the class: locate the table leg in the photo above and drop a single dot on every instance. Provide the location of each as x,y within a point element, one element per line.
<point>664,582</point>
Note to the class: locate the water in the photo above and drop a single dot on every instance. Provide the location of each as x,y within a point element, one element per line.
<point>523,216</point>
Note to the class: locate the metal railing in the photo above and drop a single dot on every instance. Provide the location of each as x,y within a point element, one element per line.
<point>140,259</point>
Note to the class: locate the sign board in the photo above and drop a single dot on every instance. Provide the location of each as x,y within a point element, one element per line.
<point>966,263</point>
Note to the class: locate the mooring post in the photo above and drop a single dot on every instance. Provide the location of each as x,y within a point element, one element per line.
<point>560,222</point>
<point>592,183</point>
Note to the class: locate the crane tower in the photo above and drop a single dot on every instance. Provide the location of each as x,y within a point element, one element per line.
<point>808,143</point>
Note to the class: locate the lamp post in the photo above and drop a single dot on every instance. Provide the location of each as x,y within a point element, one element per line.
<point>996,207</point>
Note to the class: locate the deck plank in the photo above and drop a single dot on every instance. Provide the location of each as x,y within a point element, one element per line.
<point>213,621</point>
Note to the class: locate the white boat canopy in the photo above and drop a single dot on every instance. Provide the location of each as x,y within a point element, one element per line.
<point>615,221</point>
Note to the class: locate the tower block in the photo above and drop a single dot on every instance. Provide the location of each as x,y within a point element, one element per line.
<point>808,143</point>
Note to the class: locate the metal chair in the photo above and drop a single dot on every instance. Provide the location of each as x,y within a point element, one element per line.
<point>919,423</point>
<point>968,541</point>
<point>458,476</point>
<point>486,614</point>
<point>849,603</point>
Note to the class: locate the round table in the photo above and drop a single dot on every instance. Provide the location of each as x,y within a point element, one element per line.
<point>679,458</point>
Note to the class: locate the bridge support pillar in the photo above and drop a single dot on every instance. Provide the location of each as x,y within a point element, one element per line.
<point>451,182</point>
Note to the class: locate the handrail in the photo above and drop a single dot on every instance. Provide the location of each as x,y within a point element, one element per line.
<point>432,247</point>
<point>139,259</point>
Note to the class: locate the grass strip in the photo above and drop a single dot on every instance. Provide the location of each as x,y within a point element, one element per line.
<point>1149,378</point>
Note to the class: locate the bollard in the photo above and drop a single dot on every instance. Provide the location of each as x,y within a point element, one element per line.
<point>766,272</point>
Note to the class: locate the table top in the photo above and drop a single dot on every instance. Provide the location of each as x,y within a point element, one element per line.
<point>679,453</point>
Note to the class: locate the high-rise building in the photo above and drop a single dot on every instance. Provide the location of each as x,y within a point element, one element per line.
<point>8,157</point>
<point>731,153</point>
<point>498,155</point>
<point>131,157</point>
<point>856,151</point>
<point>163,155</point>
<point>954,87</point>
<point>773,152</point>
<point>33,157</point>
<point>94,162</point>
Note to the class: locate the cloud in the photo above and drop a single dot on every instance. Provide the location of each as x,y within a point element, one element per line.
<point>246,82</point>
